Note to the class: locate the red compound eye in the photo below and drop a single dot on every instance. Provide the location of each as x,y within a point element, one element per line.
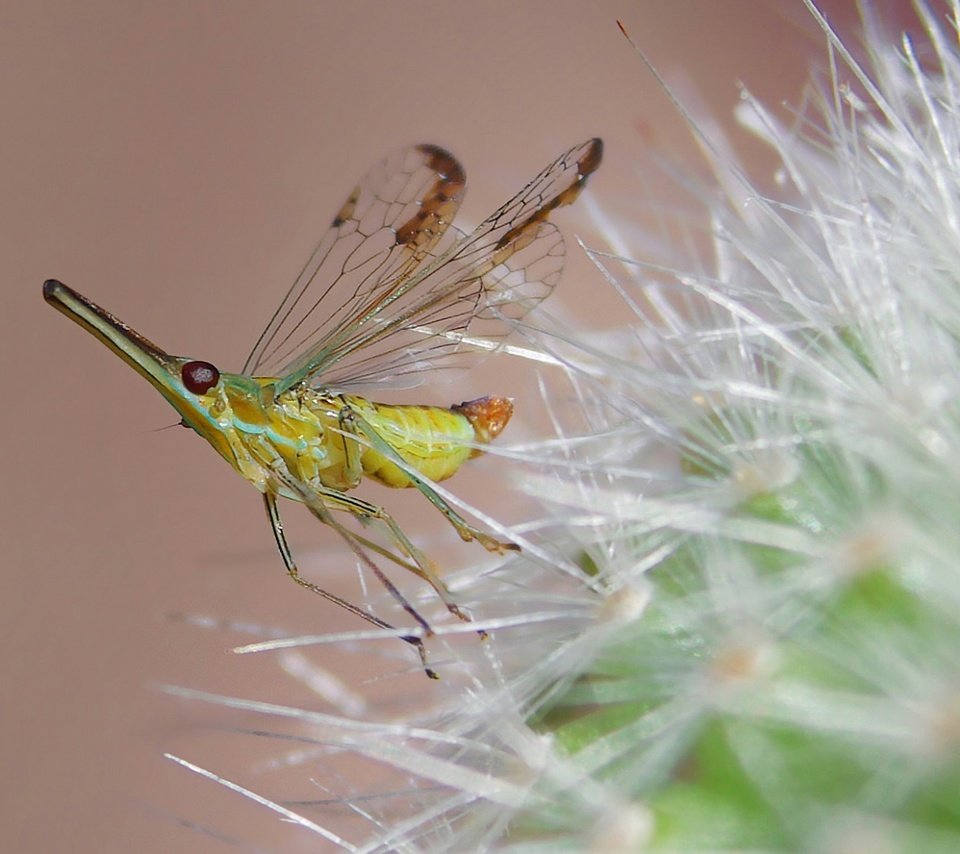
<point>199,377</point>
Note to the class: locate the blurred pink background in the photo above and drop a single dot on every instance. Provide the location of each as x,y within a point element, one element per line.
<point>177,162</point>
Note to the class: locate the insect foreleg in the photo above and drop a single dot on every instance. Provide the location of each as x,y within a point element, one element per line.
<point>313,499</point>
<point>314,504</point>
<point>352,420</point>
<point>270,501</point>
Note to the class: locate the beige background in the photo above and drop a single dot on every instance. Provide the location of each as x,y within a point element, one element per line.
<point>177,161</point>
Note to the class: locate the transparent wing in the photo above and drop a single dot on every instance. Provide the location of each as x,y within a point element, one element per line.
<point>416,318</point>
<point>433,336</point>
<point>383,231</point>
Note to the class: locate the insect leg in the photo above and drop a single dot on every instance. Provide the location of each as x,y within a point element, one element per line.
<point>312,497</point>
<point>422,567</point>
<point>352,450</point>
<point>270,501</point>
<point>352,420</point>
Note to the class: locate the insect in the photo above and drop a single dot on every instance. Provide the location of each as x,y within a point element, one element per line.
<point>386,297</point>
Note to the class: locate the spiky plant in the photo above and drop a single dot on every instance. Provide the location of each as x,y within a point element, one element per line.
<point>738,628</point>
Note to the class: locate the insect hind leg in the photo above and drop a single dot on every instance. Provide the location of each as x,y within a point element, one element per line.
<point>352,420</point>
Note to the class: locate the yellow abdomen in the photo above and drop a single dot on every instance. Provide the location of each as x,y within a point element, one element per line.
<point>435,441</point>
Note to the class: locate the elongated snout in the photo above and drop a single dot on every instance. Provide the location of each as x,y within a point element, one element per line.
<point>177,378</point>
